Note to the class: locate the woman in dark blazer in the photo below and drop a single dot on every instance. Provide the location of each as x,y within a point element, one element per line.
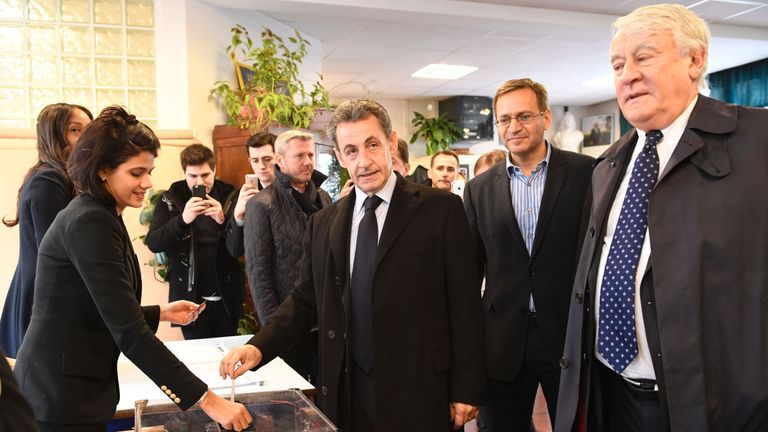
<point>86,308</point>
<point>45,191</point>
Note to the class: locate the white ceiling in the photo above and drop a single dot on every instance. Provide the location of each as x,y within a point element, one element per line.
<point>371,47</point>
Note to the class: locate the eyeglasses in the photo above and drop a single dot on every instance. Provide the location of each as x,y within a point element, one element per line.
<point>524,118</point>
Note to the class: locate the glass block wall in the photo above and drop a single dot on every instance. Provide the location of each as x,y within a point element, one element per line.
<point>89,52</point>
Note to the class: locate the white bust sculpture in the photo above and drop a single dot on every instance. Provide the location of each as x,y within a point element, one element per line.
<point>568,137</point>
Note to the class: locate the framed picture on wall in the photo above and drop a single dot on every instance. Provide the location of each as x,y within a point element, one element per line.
<point>597,129</point>
<point>464,169</point>
<point>244,74</point>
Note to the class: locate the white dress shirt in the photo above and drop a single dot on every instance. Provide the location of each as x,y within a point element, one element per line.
<point>358,212</point>
<point>641,366</point>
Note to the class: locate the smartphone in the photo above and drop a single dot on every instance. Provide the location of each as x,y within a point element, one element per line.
<point>252,179</point>
<point>198,191</point>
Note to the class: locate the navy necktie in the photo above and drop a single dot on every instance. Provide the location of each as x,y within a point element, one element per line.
<point>362,285</point>
<point>617,339</point>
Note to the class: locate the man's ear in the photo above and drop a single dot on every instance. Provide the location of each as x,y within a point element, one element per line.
<point>393,143</point>
<point>698,62</point>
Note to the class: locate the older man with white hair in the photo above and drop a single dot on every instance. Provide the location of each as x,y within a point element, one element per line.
<point>668,327</point>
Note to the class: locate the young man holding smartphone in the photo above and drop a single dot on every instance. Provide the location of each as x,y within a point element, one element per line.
<point>261,156</point>
<point>190,225</point>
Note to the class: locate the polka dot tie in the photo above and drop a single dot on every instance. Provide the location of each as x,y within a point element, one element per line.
<point>617,340</point>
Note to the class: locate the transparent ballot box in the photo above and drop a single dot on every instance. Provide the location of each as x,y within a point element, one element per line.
<point>272,411</point>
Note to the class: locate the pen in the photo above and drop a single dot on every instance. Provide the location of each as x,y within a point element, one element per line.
<point>232,395</point>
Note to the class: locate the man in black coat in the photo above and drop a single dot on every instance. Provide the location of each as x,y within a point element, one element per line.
<point>275,221</point>
<point>395,299</point>
<point>691,336</point>
<point>525,213</point>
<point>192,232</point>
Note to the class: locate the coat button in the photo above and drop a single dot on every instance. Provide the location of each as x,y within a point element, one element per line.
<point>563,362</point>
<point>579,298</point>
<point>591,231</point>
<point>331,334</point>
<point>613,164</point>
<point>177,400</point>
<point>532,274</point>
<point>337,280</point>
<point>324,390</point>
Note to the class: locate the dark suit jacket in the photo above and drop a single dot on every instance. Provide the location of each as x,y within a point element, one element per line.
<point>704,296</point>
<point>511,273</point>
<point>86,311</point>
<point>427,321</point>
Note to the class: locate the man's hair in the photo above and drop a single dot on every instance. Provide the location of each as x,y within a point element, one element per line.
<point>260,139</point>
<point>357,110</point>
<point>402,150</point>
<point>688,30</point>
<point>197,154</point>
<point>523,83</point>
<point>490,159</point>
<point>111,139</point>
<point>284,138</point>
<point>444,152</point>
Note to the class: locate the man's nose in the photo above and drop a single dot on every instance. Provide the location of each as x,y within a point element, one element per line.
<point>629,73</point>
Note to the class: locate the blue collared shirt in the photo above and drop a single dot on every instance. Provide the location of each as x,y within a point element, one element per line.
<point>526,194</point>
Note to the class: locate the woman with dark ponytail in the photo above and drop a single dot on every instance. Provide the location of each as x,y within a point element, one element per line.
<point>45,191</point>
<point>88,291</point>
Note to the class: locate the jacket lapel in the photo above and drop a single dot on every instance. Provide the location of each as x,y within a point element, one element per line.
<point>405,201</point>
<point>608,174</point>
<point>339,237</point>
<point>555,177</point>
<point>712,156</point>
<point>501,189</point>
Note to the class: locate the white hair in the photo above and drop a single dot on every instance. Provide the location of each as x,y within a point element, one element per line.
<point>284,138</point>
<point>690,32</point>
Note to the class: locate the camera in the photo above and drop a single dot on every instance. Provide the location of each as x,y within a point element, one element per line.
<point>198,191</point>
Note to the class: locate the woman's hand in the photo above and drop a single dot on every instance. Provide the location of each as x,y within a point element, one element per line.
<point>181,312</point>
<point>231,415</point>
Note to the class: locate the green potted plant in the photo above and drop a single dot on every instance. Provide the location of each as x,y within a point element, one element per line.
<point>160,261</point>
<point>438,132</point>
<point>270,90</point>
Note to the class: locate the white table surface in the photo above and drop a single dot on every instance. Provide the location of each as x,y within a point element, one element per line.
<point>202,357</point>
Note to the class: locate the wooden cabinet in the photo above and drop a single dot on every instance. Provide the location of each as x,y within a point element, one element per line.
<point>231,154</point>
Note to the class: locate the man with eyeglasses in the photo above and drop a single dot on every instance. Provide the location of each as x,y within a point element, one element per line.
<point>526,217</point>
